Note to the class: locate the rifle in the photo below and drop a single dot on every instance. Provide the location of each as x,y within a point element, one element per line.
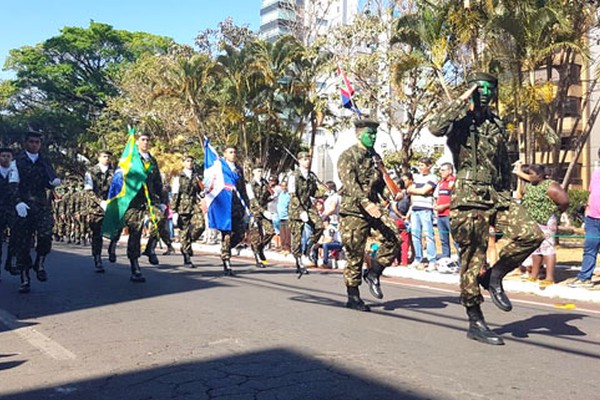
<point>389,182</point>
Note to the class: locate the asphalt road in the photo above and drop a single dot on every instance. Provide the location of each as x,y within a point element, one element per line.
<point>264,334</point>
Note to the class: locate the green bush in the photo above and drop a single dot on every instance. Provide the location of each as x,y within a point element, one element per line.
<point>578,199</point>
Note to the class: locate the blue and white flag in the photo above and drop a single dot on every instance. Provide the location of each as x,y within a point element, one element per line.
<point>219,181</point>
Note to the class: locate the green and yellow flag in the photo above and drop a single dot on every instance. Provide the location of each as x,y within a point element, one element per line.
<point>127,181</point>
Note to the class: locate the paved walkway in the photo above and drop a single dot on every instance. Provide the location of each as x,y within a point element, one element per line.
<point>512,283</point>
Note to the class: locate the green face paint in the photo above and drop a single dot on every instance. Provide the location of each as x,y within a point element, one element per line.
<point>485,93</point>
<point>368,137</point>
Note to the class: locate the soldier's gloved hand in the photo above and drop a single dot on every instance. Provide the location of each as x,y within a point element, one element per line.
<point>55,182</point>
<point>267,214</point>
<point>22,209</point>
<point>304,216</point>
<point>373,210</point>
<point>103,205</point>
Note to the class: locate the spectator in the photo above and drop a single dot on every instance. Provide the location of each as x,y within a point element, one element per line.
<point>422,214</point>
<point>443,194</point>
<point>592,234</point>
<point>399,212</point>
<point>544,200</point>
<point>329,242</point>
<point>272,209</point>
<point>332,204</point>
<point>283,203</point>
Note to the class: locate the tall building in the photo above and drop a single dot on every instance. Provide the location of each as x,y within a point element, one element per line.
<point>304,19</point>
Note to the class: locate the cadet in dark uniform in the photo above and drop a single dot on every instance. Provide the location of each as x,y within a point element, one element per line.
<point>96,184</point>
<point>34,209</point>
<point>239,211</point>
<point>362,212</point>
<point>139,208</point>
<point>8,173</point>
<point>303,187</point>
<point>482,197</point>
<point>187,189</point>
<point>261,232</point>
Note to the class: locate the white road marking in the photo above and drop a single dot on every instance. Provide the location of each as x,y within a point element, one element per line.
<point>35,338</point>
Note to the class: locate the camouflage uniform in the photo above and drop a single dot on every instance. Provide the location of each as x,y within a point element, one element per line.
<point>7,214</point>
<point>138,209</point>
<point>482,196</point>
<point>362,183</point>
<point>262,232</point>
<point>187,205</point>
<point>32,189</point>
<point>97,183</point>
<point>301,200</point>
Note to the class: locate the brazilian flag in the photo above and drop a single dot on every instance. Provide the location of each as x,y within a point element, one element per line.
<point>127,181</point>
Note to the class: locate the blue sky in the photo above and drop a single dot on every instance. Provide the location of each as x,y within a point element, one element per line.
<point>28,22</point>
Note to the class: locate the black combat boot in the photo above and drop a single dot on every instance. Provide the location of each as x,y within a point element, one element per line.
<point>170,250</point>
<point>10,266</point>
<point>371,276</point>
<point>187,260</point>
<point>227,271</point>
<point>136,271</point>
<point>112,251</point>
<point>150,246</point>
<point>478,329</point>
<point>98,263</point>
<point>354,300</point>
<point>25,286</point>
<point>40,270</point>
<point>492,282</point>
<point>300,268</point>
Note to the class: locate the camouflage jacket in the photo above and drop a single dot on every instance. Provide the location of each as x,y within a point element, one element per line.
<point>34,185</point>
<point>186,198</point>
<point>479,150</point>
<point>99,181</point>
<point>305,190</point>
<point>6,195</point>
<point>262,196</point>
<point>238,210</point>
<point>362,181</point>
<point>155,187</point>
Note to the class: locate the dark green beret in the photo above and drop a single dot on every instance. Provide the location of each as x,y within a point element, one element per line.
<point>366,123</point>
<point>482,76</point>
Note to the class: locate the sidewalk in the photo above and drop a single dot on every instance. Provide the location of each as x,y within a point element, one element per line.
<point>512,283</point>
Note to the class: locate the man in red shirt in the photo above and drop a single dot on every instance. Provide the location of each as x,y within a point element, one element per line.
<point>442,207</point>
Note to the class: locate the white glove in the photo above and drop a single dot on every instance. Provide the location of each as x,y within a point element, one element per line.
<point>55,182</point>
<point>304,216</point>
<point>268,215</point>
<point>175,219</point>
<point>22,209</point>
<point>103,205</point>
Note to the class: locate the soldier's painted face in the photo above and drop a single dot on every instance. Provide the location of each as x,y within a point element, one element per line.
<point>485,94</point>
<point>368,137</point>
<point>5,159</point>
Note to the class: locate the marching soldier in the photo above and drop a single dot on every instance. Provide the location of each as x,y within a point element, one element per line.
<point>34,209</point>
<point>302,186</point>
<point>151,192</point>
<point>262,232</point>
<point>482,198</point>
<point>97,183</point>
<point>8,173</point>
<point>361,212</point>
<point>187,189</point>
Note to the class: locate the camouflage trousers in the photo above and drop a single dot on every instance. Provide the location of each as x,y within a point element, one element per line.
<point>6,221</point>
<point>355,231</point>
<point>191,227</point>
<point>296,228</point>
<point>232,238</point>
<point>470,229</point>
<point>39,222</point>
<point>261,234</point>
<point>96,219</point>
<point>134,220</point>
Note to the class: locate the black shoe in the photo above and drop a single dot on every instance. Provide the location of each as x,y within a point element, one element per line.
<point>492,282</point>
<point>373,282</point>
<point>40,270</point>
<point>152,258</point>
<point>99,268</point>
<point>170,250</point>
<point>354,301</point>
<point>136,271</point>
<point>187,260</point>
<point>478,329</point>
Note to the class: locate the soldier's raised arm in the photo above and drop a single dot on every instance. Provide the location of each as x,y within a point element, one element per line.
<point>441,124</point>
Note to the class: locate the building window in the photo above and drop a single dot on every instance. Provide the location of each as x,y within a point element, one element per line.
<point>572,106</point>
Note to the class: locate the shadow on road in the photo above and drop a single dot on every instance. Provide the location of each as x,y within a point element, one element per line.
<point>269,374</point>
<point>549,324</point>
